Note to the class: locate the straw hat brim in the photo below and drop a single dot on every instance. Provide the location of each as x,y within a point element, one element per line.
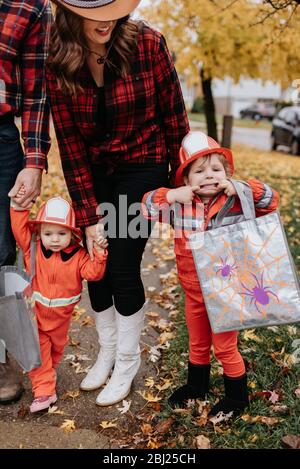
<point>224,151</point>
<point>113,11</point>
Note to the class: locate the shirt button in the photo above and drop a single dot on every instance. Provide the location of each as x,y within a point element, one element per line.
<point>107,135</point>
<point>137,78</point>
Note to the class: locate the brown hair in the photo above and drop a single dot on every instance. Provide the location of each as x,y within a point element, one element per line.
<point>68,49</point>
<point>221,158</point>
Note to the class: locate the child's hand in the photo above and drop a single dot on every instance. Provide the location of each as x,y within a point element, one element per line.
<point>18,207</point>
<point>183,195</point>
<point>14,203</point>
<point>21,192</point>
<point>227,187</point>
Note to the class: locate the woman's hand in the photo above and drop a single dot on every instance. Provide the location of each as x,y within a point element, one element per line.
<point>95,237</point>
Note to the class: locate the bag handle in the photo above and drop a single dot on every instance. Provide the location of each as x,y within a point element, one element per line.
<point>32,257</point>
<point>245,195</point>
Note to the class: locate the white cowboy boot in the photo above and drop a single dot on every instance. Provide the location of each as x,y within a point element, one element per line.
<point>106,327</point>
<point>128,358</point>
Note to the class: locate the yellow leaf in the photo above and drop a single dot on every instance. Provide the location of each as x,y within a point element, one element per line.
<point>166,384</point>
<point>149,397</point>
<point>249,335</point>
<point>54,410</point>
<point>106,424</point>
<point>68,426</point>
<point>152,314</point>
<point>88,321</point>
<point>252,384</point>
<point>149,382</point>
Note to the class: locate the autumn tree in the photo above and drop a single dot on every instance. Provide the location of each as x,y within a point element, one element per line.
<point>233,38</point>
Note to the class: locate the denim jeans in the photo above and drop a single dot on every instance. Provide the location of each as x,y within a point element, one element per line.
<point>11,163</point>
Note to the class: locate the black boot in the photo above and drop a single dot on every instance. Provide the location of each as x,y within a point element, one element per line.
<point>196,387</point>
<point>236,396</point>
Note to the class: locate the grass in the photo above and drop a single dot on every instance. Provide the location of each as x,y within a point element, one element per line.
<point>249,123</point>
<point>268,355</point>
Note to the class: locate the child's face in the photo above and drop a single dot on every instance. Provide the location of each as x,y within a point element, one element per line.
<point>55,237</point>
<point>207,175</point>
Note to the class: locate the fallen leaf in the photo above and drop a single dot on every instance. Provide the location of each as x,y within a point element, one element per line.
<point>54,410</point>
<point>291,441</point>
<point>105,424</point>
<point>71,394</point>
<point>280,409</point>
<point>297,391</point>
<point>249,335</point>
<point>149,397</point>
<point>165,425</point>
<point>22,412</point>
<point>155,406</point>
<point>273,397</point>
<point>152,314</point>
<point>149,382</point>
<point>68,426</point>
<point>154,354</point>
<point>165,337</point>
<point>146,428</point>
<point>202,442</point>
<point>220,417</point>
<point>88,321</point>
<point>73,342</point>
<point>125,408</point>
<point>78,368</point>
<point>166,384</point>
<point>153,443</point>
<point>260,419</point>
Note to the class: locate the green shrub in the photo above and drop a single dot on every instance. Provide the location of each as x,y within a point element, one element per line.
<point>198,105</point>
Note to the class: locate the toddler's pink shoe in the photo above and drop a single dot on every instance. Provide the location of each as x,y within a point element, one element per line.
<point>42,403</point>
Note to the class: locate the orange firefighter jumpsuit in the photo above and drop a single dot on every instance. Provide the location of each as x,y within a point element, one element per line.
<point>56,289</point>
<point>156,207</point>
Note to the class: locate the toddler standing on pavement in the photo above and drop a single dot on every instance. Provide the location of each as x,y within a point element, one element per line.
<point>61,263</point>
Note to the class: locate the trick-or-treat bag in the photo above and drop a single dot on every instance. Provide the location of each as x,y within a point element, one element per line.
<point>18,329</point>
<point>246,270</point>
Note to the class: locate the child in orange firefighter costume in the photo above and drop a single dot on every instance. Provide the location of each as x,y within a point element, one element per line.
<point>205,171</point>
<point>61,265</point>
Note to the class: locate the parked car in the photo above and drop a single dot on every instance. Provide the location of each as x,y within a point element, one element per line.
<point>259,111</point>
<point>286,129</point>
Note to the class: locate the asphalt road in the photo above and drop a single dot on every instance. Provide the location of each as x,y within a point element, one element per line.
<point>257,138</point>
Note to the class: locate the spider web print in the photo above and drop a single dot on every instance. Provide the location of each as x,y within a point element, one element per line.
<point>247,279</point>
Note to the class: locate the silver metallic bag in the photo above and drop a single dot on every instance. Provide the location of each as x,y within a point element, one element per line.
<point>246,270</point>
<point>18,327</point>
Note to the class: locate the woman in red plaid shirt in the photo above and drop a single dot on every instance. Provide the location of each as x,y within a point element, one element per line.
<point>119,118</point>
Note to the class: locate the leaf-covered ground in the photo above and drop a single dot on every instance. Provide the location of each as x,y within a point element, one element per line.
<point>144,420</point>
<point>272,355</point>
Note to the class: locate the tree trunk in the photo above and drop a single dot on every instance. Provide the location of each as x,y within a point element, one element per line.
<point>209,106</point>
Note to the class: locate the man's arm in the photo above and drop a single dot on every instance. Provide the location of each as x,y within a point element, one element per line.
<point>35,108</point>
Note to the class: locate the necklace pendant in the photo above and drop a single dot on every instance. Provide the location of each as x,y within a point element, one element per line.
<point>101,60</point>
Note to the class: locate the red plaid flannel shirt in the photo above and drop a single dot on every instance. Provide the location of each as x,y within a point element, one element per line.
<point>24,35</point>
<point>145,120</point>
